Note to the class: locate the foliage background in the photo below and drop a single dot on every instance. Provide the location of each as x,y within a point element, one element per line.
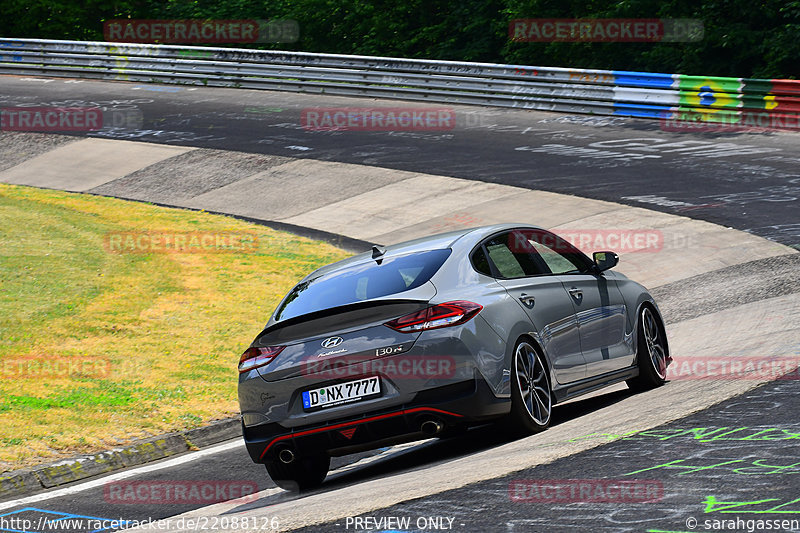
<point>742,38</point>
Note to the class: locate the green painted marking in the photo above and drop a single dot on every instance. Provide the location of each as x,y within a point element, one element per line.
<point>712,503</point>
<point>263,109</point>
<point>689,468</point>
<point>793,468</point>
<point>737,430</point>
<point>724,433</point>
<point>754,468</point>
<point>607,436</point>
<point>796,511</point>
<point>715,506</point>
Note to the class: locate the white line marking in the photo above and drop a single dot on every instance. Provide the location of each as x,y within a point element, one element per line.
<point>123,475</point>
<point>57,493</point>
<point>229,507</point>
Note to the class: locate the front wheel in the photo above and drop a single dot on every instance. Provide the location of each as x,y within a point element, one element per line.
<point>531,396</point>
<point>651,354</point>
<point>303,473</point>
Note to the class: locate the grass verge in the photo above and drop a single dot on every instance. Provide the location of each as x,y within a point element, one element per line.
<point>107,336</point>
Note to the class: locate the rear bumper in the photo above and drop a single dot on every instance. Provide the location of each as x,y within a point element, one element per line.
<point>460,404</point>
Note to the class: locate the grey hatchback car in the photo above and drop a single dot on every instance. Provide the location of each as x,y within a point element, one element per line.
<point>428,337</point>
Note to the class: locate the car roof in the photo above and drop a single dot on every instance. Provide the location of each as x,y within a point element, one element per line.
<point>439,241</point>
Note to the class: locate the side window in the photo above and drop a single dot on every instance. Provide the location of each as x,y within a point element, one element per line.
<point>514,258</point>
<point>507,265</point>
<point>480,262</point>
<point>557,263</point>
<point>560,256</point>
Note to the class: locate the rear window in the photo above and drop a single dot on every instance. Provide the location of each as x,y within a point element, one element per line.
<point>362,282</point>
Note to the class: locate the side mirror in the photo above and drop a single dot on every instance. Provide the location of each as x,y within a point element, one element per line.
<point>605,260</point>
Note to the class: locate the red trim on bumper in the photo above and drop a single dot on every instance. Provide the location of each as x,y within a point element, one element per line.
<point>355,423</point>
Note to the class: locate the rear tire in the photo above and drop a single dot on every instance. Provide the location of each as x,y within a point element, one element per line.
<point>303,473</point>
<point>531,395</point>
<point>651,354</point>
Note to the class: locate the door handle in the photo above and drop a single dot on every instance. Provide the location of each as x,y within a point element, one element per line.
<point>576,292</point>
<point>527,300</point>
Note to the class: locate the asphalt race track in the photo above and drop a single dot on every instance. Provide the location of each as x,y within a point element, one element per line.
<point>736,460</point>
<point>749,181</point>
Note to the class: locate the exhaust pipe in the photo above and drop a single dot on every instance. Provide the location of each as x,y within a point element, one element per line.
<point>286,456</point>
<point>431,427</point>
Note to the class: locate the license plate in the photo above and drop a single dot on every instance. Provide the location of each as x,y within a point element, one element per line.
<point>341,393</point>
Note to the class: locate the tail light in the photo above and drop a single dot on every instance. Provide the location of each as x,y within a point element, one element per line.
<point>438,316</point>
<point>258,357</point>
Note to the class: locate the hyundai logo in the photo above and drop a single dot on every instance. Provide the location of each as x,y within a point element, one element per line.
<point>331,342</point>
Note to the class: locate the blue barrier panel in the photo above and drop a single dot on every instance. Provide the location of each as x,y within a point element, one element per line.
<point>653,80</point>
<point>638,110</point>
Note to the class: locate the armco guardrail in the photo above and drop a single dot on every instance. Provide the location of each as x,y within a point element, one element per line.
<point>603,92</point>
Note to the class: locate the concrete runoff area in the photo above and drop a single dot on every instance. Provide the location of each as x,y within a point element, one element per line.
<point>188,175</point>
<point>400,204</point>
<point>295,187</point>
<point>383,206</point>
<point>87,163</point>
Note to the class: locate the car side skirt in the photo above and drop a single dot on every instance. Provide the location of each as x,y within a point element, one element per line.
<point>585,386</point>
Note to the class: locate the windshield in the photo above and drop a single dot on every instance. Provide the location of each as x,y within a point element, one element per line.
<point>364,281</point>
